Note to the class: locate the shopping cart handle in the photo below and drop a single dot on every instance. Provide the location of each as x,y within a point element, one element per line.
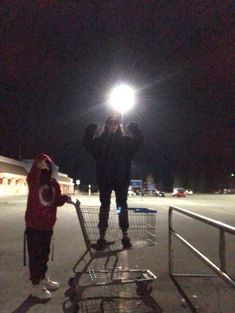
<point>72,202</point>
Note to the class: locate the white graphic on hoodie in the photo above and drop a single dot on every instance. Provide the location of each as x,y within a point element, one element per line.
<point>47,195</point>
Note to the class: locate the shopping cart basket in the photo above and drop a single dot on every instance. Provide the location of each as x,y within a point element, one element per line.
<point>142,232</point>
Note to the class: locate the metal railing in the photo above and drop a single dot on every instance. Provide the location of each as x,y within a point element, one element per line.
<point>219,270</point>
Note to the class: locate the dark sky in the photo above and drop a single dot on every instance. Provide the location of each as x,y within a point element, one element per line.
<point>60,59</point>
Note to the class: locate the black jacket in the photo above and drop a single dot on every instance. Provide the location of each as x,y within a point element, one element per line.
<point>113,154</point>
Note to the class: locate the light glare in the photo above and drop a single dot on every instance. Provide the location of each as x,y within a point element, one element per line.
<point>122,98</point>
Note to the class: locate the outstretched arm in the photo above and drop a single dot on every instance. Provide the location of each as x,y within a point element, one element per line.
<point>60,199</point>
<point>33,178</point>
<point>88,140</point>
<point>137,136</point>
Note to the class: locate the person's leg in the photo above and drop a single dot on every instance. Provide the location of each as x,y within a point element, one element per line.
<point>105,195</point>
<point>46,242</point>
<point>35,247</point>
<point>121,202</point>
<point>122,207</point>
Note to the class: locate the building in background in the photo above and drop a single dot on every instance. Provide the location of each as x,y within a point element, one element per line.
<point>13,175</point>
<point>66,183</point>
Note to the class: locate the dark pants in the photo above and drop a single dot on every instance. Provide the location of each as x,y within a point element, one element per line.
<point>121,201</point>
<point>38,243</point>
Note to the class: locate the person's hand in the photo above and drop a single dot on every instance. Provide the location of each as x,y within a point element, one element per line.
<point>132,127</point>
<point>42,165</point>
<point>68,199</point>
<point>92,127</point>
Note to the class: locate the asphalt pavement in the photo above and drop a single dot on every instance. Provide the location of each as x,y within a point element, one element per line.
<point>210,295</point>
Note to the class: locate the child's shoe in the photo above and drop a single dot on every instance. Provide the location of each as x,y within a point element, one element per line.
<point>50,284</point>
<point>40,292</point>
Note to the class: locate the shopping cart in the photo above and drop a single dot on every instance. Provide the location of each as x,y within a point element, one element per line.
<point>142,232</point>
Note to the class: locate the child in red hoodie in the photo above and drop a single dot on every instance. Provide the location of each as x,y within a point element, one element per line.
<point>43,198</point>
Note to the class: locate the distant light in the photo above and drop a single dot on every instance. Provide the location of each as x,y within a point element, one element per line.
<point>122,98</point>
<point>232,174</point>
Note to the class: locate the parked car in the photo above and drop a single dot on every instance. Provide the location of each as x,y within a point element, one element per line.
<point>137,191</point>
<point>147,192</point>
<point>188,192</point>
<point>131,193</point>
<point>159,193</point>
<point>229,191</point>
<point>178,192</point>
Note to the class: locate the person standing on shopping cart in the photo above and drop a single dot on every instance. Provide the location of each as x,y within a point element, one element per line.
<point>113,153</point>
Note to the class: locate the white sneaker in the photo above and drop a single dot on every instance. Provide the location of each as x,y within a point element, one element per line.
<point>50,284</point>
<point>40,291</point>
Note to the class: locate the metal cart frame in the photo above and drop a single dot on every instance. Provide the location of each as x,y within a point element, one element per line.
<point>110,275</point>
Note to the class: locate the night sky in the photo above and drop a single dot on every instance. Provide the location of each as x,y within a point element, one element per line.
<point>59,59</point>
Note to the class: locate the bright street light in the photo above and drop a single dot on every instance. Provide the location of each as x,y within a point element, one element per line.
<point>122,98</point>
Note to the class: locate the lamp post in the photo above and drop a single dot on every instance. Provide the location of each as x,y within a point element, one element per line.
<point>122,99</point>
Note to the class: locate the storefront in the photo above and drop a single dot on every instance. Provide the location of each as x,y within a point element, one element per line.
<point>12,177</point>
<point>13,174</point>
<point>66,183</point>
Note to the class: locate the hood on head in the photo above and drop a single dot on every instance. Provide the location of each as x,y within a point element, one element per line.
<point>54,169</point>
<point>42,156</point>
<point>48,160</point>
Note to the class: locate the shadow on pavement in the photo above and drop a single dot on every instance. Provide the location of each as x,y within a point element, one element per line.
<point>106,304</point>
<point>27,304</point>
<point>193,308</point>
<point>112,304</point>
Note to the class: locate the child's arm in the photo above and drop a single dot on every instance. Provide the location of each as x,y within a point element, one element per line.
<point>59,198</point>
<point>35,172</point>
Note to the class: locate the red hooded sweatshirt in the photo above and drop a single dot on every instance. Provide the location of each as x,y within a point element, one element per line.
<point>44,196</point>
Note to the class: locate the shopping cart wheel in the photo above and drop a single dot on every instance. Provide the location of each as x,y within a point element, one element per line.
<point>72,282</point>
<point>75,308</point>
<point>143,288</point>
<point>71,307</point>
